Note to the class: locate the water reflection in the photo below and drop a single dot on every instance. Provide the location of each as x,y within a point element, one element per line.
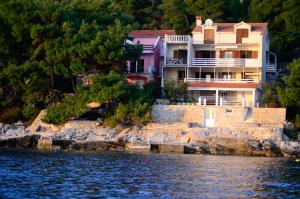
<point>123,175</point>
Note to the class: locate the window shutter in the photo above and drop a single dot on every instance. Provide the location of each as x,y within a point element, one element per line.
<point>222,54</point>
<point>209,36</point>
<point>254,54</point>
<point>240,34</point>
<point>176,54</point>
<point>212,54</point>
<point>237,54</point>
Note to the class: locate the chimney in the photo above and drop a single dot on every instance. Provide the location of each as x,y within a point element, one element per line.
<point>198,20</point>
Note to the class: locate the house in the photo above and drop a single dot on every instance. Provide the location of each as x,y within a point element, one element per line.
<point>148,66</point>
<point>223,64</point>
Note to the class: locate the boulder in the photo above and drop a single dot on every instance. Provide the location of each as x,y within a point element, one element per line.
<point>290,149</point>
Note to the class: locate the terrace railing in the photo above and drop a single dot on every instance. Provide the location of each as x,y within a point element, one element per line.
<point>223,62</point>
<point>176,61</point>
<point>177,38</point>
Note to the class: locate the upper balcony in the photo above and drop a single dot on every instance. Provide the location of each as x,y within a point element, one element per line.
<point>177,39</point>
<point>225,62</point>
<point>146,48</point>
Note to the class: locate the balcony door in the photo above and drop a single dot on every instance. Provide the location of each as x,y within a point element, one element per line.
<point>180,75</point>
<point>205,54</point>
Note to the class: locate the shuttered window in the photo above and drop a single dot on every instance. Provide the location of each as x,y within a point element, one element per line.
<point>240,34</point>
<point>222,54</point>
<point>246,54</point>
<point>176,54</point>
<point>209,36</point>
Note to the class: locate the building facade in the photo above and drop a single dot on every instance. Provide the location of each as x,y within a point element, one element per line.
<point>223,64</point>
<point>149,65</point>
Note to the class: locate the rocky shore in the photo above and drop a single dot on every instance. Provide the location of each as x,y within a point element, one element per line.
<point>88,136</point>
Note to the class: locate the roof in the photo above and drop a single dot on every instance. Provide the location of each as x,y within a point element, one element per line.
<point>151,33</point>
<point>229,27</point>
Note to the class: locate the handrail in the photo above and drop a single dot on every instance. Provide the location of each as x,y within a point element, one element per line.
<point>176,61</point>
<point>177,38</point>
<point>221,80</point>
<point>225,62</point>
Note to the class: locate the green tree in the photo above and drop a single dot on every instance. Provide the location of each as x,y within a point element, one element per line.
<point>290,92</point>
<point>41,40</point>
<point>280,15</point>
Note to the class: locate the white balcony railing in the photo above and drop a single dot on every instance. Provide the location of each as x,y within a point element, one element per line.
<point>271,67</point>
<point>177,38</point>
<point>221,80</point>
<point>176,61</point>
<point>224,62</point>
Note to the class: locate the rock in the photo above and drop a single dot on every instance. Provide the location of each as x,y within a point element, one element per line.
<point>290,149</point>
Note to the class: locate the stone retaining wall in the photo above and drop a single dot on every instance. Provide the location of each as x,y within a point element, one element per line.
<point>224,116</point>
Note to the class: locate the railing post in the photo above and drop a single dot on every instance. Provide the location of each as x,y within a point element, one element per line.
<point>204,101</point>
<point>221,101</point>
<point>199,100</point>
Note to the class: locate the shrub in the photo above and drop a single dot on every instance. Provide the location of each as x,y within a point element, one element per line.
<point>270,96</point>
<point>10,114</point>
<point>175,90</point>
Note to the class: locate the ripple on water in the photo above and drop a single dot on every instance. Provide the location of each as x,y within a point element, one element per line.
<point>124,175</point>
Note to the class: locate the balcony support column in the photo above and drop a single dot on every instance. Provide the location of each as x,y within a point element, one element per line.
<point>253,98</point>
<point>214,72</point>
<point>217,97</point>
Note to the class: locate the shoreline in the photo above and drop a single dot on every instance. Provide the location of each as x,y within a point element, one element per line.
<point>178,139</point>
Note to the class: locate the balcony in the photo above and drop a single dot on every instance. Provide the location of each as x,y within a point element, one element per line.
<point>271,68</point>
<point>178,39</point>
<point>176,61</point>
<point>221,80</point>
<point>146,48</point>
<point>223,62</point>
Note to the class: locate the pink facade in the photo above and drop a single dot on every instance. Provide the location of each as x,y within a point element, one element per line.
<point>148,65</point>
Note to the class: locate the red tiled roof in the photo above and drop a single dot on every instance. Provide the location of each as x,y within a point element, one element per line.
<point>222,85</point>
<point>229,27</point>
<point>151,33</point>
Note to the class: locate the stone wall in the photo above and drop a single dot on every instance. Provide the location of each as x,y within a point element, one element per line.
<point>269,116</point>
<point>224,116</point>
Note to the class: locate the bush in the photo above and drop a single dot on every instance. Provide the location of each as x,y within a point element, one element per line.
<point>270,96</point>
<point>10,114</point>
<point>175,90</point>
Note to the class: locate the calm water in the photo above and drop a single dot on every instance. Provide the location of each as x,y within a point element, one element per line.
<point>123,175</point>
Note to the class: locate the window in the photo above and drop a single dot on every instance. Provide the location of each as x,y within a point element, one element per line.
<point>180,54</point>
<point>197,75</point>
<point>246,54</point>
<point>240,34</point>
<point>180,75</point>
<point>132,66</point>
<point>209,36</point>
<point>226,54</point>
<point>205,54</point>
<point>140,66</point>
<point>136,66</point>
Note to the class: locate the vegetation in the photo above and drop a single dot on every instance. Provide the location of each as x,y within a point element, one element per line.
<point>123,103</point>
<point>44,45</point>
<point>175,90</point>
<point>270,96</point>
<point>290,92</point>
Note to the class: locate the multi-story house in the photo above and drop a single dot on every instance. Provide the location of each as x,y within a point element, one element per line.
<point>148,66</point>
<point>222,63</point>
